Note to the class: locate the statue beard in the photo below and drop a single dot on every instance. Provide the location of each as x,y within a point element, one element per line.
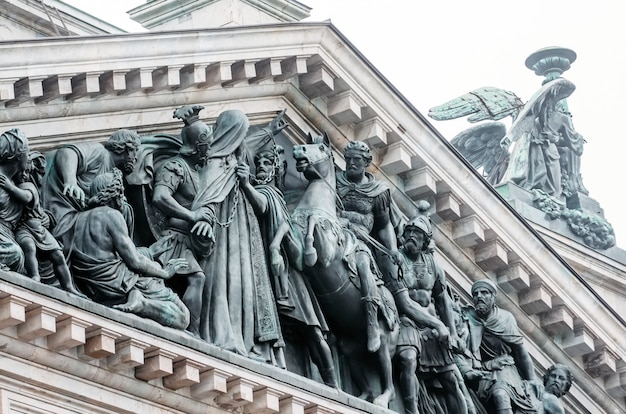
<point>201,162</point>
<point>483,308</point>
<point>263,176</point>
<point>354,175</point>
<point>128,167</point>
<point>554,389</point>
<point>411,247</point>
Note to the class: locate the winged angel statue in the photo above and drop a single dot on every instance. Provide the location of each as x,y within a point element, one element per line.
<point>546,151</point>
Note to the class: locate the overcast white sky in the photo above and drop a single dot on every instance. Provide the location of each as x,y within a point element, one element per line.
<point>433,51</point>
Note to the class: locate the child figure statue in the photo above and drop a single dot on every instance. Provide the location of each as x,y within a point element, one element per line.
<point>32,232</point>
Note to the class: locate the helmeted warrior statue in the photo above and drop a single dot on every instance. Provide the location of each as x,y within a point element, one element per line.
<point>176,184</point>
<point>366,207</point>
<point>426,319</point>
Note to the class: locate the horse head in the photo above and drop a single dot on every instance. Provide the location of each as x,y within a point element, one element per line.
<point>314,159</point>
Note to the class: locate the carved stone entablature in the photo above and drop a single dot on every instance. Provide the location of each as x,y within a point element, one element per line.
<point>89,345</point>
<point>271,68</point>
<point>600,363</point>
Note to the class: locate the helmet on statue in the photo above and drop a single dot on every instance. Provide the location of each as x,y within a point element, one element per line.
<point>196,135</point>
<point>421,220</point>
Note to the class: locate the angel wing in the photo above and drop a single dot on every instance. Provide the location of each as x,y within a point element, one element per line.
<point>538,108</point>
<point>486,103</point>
<point>480,145</point>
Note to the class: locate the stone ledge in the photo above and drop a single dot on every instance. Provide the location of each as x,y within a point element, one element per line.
<point>132,335</point>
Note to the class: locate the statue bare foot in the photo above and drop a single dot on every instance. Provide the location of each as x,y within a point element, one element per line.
<point>134,303</point>
<point>76,292</point>
<point>383,399</point>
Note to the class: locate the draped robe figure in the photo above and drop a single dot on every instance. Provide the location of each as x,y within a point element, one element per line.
<point>13,161</point>
<point>500,368</point>
<point>239,312</point>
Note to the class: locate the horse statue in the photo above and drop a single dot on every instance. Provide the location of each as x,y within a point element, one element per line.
<point>324,251</point>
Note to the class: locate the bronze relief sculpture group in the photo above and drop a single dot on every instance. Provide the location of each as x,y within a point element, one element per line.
<point>213,249</point>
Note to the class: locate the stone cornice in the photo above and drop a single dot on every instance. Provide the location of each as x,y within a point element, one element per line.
<point>33,15</point>
<point>156,13</point>
<point>119,351</point>
<point>602,269</point>
<point>314,70</point>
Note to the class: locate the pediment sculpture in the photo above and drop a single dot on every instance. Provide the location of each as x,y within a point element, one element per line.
<point>192,231</point>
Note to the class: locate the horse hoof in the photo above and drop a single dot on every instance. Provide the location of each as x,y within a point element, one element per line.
<point>310,258</point>
<point>278,268</point>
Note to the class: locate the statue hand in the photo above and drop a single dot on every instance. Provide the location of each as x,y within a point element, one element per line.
<point>278,123</point>
<point>201,214</point>
<point>396,257</point>
<point>456,344</point>
<point>161,246</point>
<point>174,266</point>
<point>203,229</point>
<point>4,181</point>
<point>45,220</point>
<point>474,375</point>
<point>243,172</point>
<point>537,386</point>
<point>277,263</point>
<point>505,142</point>
<point>72,190</point>
<point>442,333</point>
<point>186,111</point>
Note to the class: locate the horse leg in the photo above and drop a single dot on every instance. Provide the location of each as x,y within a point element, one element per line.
<point>385,366</point>
<point>322,356</point>
<point>310,254</point>
<point>277,262</point>
<point>325,247</point>
<point>369,296</point>
<point>359,363</point>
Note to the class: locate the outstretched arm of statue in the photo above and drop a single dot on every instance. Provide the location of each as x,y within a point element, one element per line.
<point>387,236</point>
<point>20,195</point>
<point>278,123</point>
<point>294,249</point>
<point>124,246</point>
<point>284,237</point>
<point>522,361</point>
<point>66,165</point>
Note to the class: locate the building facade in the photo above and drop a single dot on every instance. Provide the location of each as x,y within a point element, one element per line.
<point>68,77</point>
